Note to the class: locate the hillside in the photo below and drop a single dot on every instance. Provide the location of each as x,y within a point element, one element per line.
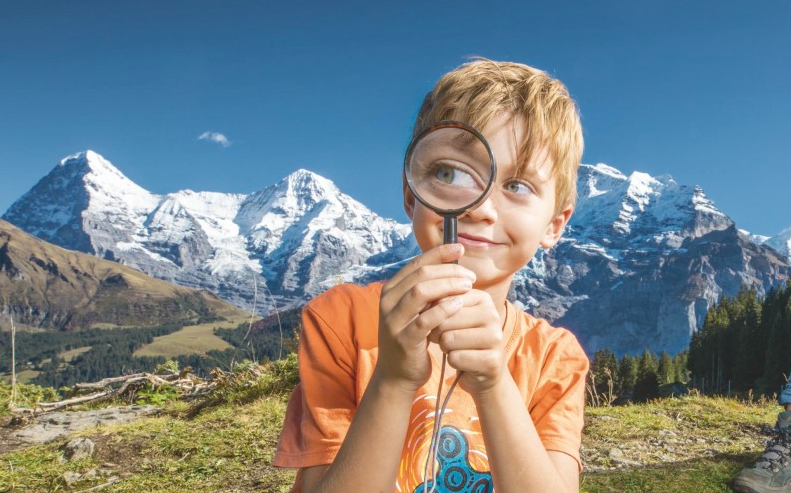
<point>44,286</point>
<point>674,445</point>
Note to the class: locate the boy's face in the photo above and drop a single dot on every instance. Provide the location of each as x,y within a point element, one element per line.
<point>504,232</point>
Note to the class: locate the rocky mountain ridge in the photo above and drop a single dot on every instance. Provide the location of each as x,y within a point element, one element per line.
<point>640,263</point>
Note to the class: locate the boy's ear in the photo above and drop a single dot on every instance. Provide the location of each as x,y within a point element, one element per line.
<point>409,198</point>
<point>555,227</point>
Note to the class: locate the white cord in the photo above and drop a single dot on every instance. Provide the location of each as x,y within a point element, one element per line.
<point>439,413</point>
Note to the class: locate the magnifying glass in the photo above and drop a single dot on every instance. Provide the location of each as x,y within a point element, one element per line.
<point>450,169</point>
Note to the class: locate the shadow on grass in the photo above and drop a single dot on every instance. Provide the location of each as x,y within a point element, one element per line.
<point>712,474</point>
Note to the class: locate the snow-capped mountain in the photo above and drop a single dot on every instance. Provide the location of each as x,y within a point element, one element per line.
<point>781,242</point>
<point>84,204</point>
<point>292,239</point>
<point>757,239</point>
<point>640,263</point>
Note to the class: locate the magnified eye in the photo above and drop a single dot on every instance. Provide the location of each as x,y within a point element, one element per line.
<point>454,176</point>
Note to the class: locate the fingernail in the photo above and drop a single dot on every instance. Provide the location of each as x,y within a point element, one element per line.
<point>466,283</point>
<point>470,275</point>
<point>457,248</point>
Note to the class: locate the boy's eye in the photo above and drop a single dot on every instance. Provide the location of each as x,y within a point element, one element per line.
<point>454,176</point>
<point>518,187</point>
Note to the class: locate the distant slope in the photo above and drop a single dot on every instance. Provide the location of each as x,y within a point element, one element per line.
<point>45,286</point>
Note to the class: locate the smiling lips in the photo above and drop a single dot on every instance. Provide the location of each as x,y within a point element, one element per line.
<point>475,241</point>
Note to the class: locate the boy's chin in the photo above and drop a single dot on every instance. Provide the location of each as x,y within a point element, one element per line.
<point>486,271</point>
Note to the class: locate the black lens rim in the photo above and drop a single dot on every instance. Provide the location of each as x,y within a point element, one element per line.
<point>450,124</point>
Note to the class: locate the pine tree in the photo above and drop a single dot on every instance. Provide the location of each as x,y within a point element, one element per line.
<point>666,371</point>
<point>681,364</point>
<point>647,385</point>
<point>626,377</point>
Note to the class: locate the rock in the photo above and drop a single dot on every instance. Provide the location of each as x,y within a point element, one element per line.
<point>79,448</point>
<point>56,425</point>
<point>71,477</point>
<point>618,457</point>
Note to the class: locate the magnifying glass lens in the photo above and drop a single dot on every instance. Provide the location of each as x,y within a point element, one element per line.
<point>449,169</point>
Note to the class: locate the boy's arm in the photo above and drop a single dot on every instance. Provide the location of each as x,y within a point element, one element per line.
<point>517,458</point>
<point>413,303</point>
<point>369,457</point>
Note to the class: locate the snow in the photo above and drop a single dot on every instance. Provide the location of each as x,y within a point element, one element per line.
<point>781,242</point>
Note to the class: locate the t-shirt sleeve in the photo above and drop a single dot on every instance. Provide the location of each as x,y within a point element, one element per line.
<point>322,406</point>
<point>558,404</point>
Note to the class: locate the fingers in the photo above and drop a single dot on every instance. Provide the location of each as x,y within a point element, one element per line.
<point>443,254</point>
<point>476,362</point>
<point>429,319</point>
<point>477,338</point>
<point>472,336</point>
<point>478,312</point>
<point>421,284</point>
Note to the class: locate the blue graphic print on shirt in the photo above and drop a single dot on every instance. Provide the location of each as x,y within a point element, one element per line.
<point>455,474</point>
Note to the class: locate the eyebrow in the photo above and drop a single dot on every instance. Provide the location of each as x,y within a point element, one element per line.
<point>530,169</point>
<point>532,173</point>
<point>466,140</point>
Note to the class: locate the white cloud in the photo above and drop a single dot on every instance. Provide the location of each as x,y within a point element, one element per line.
<point>215,137</point>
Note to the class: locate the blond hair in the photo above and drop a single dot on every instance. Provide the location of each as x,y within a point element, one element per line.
<point>482,89</point>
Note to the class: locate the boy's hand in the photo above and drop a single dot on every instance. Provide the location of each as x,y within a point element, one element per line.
<point>473,339</point>
<point>414,302</point>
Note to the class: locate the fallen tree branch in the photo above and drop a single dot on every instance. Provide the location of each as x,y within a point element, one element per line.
<point>189,386</point>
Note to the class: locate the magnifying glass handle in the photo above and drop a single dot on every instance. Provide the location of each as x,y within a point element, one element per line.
<point>450,233</point>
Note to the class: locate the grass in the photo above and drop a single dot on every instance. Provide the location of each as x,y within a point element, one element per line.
<point>226,449</point>
<point>675,445</point>
<point>227,445</point>
<point>69,355</point>
<point>23,376</point>
<point>192,339</point>
<point>26,396</point>
<point>704,475</point>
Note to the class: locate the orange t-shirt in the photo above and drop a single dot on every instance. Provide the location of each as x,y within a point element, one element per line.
<point>337,356</point>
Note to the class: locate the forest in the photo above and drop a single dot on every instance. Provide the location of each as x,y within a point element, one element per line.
<point>744,344</point>
<point>112,351</point>
<point>743,347</point>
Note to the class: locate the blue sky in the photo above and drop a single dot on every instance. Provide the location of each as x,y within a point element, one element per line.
<point>699,90</point>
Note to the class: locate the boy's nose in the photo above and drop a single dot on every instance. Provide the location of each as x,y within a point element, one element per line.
<point>487,211</point>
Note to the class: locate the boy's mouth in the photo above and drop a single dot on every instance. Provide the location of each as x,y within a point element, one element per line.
<point>475,241</point>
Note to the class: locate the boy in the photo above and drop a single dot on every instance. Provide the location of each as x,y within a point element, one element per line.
<point>362,418</point>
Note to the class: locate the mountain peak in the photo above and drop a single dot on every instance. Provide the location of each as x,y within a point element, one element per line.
<point>80,157</point>
<point>90,161</point>
<point>304,181</point>
<point>604,169</point>
<point>83,188</point>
